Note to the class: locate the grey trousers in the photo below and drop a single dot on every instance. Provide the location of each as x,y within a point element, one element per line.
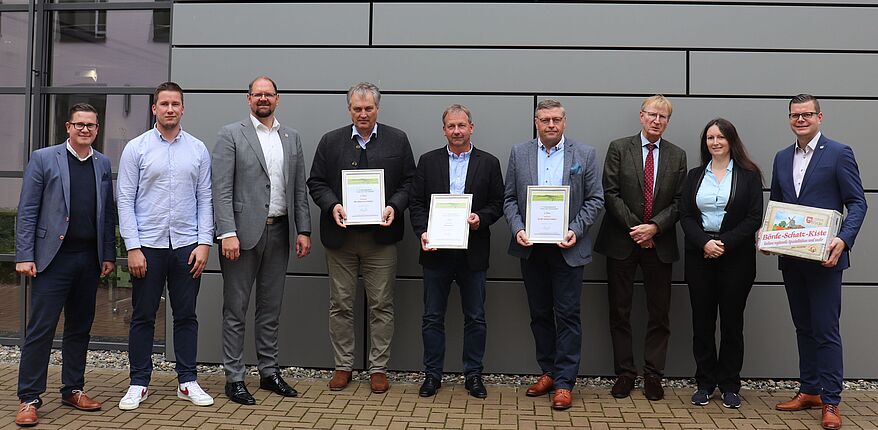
<point>378,266</point>
<point>266,266</point>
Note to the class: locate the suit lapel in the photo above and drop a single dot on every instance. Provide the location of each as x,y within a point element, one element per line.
<point>99,173</point>
<point>569,152</point>
<point>61,156</point>
<point>819,149</point>
<point>663,174</point>
<point>532,164</point>
<point>636,153</point>
<point>471,168</point>
<point>250,134</point>
<point>288,151</point>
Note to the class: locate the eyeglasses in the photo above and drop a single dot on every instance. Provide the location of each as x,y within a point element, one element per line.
<point>803,115</point>
<point>653,115</point>
<point>263,95</point>
<point>547,121</point>
<point>84,125</point>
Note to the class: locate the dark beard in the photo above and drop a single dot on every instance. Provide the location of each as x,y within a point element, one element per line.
<point>264,114</point>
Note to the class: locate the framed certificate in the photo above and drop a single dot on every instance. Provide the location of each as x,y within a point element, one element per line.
<point>362,195</point>
<point>547,213</point>
<point>446,226</point>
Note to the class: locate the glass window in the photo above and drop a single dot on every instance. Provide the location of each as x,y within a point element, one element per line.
<point>11,132</point>
<point>10,290</point>
<point>10,189</point>
<point>108,48</point>
<point>113,311</point>
<point>122,118</point>
<point>13,49</point>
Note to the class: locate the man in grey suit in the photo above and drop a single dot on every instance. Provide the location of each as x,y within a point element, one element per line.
<point>553,272</point>
<point>643,179</point>
<point>260,210</point>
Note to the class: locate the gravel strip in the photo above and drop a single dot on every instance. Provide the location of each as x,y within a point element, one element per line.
<point>119,360</point>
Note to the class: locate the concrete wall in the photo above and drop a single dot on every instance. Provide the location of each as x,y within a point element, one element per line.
<point>738,60</point>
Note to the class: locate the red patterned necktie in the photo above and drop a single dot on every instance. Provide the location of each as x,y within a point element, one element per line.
<point>648,180</point>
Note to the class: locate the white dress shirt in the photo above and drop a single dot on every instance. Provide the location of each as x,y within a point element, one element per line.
<point>801,159</point>
<point>273,151</point>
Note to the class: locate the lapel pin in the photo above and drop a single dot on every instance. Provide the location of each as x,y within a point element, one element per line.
<point>821,146</point>
<point>287,135</point>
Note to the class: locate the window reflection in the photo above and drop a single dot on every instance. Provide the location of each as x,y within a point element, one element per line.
<point>109,48</point>
<point>10,189</point>
<point>11,131</point>
<point>122,118</point>
<point>113,311</point>
<point>10,290</point>
<point>13,49</point>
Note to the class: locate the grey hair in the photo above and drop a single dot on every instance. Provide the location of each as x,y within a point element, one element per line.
<point>364,88</point>
<point>549,104</point>
<point>457,108</point>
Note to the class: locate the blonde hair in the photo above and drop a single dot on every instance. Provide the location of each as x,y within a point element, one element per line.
<point>660,101</point>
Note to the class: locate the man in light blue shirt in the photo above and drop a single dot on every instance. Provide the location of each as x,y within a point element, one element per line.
<point>166,220</point>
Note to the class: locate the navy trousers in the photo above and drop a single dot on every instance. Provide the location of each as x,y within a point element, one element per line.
<point>171,266</point>
<point>69,282</point>
<point>554,291</point>
<point>814,294</point>
<point>437,286</point>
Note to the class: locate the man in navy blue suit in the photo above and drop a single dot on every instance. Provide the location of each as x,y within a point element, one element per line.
<point>818,172</point>
<point>65,239</point>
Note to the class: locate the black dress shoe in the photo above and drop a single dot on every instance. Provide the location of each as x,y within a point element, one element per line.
<point>430,386</point>
<point>652,387</point>
<point>277,384</point>
<point>237,392</point>
<point>475,386</point>
<point>623,386</point>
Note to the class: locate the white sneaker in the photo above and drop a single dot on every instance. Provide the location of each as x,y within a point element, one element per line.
<point>131,400</point>
<point>192,392</point>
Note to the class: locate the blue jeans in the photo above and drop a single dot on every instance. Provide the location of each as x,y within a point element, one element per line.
<point>172,266</point>
<point>437,285</point>
<point>69,282</point>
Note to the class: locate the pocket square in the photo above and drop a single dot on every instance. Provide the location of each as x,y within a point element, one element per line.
<point>576,169</point>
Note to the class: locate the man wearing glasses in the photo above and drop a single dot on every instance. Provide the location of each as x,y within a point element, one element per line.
<point>365,144</point>
<point>65,240</point>
<point>166,220</point>
<point>553,272</point>
<point>261,211</point>
<point>643,179</point>
<point>819,172</point>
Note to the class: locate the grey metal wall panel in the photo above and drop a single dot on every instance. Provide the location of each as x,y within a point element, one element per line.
<point>782,73</point>
<point>303,338</point>
<point>261,24</point>
<point>438,70</point>
<point>621,25</point>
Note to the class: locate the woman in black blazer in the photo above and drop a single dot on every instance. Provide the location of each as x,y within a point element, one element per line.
<point>720,212</point>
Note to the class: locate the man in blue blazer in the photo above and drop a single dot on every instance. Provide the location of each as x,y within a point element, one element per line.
<point>818,172</point>
<point>553,272</point>
<point>65,240</point>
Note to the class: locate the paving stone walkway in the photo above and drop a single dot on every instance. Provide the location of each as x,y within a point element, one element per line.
<point>400,408</point>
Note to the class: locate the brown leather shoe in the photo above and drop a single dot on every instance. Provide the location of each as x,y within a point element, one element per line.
<point>378,382</point>
<point>563,399</point>
<point>831,417</point>
<point>27,414</point>
<point>340,380</point>
<point>652,387</point>
<point>623,386</point>
<point>800,402</point>
<point>542,386</point>
<point>81,401</point>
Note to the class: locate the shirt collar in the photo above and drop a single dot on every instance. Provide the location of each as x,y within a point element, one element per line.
<point>158,134</point>
<point>463,155</point>
<point>70,149</point>
<point>728,168</point>
<point>355,133</point>
<point>558,147</point>
<point>257,124</point>
<point>811,145</point>
<point>644,141</point>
